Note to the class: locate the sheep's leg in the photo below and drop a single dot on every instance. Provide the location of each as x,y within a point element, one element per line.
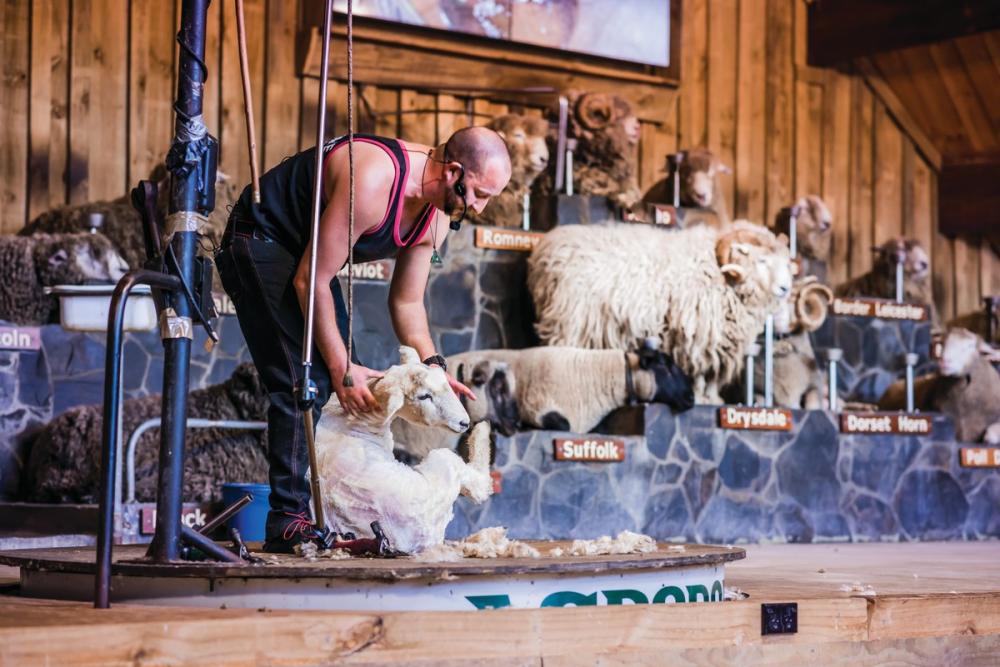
<point>554,421</point>
<point>474,476</point>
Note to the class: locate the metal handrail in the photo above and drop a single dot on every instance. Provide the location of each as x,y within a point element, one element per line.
<point>154,422</point>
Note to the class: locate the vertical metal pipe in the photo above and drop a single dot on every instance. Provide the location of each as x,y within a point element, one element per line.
<point>190,133</point>
<point>793,234</point>
<point>561,133</point>
<point>674,170</point>
<point>899,281</point>
<point>911,361</point>
<point>752,353</point>
<point>834,355</point>
<point>769,362</point>
<point>990,304</point>
<point>526,212</point>
<point>570,147</point>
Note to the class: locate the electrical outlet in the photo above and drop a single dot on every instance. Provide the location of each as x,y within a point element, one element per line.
<point>779,618</point>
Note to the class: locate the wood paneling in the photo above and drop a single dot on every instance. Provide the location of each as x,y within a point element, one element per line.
<point>83,117</point>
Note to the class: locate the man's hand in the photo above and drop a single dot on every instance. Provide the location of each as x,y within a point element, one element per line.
<point>357,399</point>
<point>459,388</point>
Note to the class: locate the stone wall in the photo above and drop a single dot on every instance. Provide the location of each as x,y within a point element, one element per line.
<point>686,479</point>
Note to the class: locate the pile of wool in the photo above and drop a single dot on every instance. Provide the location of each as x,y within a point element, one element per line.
<point>627,542</point>
<point>487,543</point>
<point>312,553</point>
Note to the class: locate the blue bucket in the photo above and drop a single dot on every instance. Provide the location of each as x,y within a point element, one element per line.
<point>249,520</point>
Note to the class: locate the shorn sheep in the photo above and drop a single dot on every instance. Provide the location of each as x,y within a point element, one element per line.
<point>966,388</point>
<point>705,295</point>
<point>65,458</point>
<point>29,264</point>
<point>361,480</point>
<point>699,173</point>
<point>880,281</point>
<point>526,139</point>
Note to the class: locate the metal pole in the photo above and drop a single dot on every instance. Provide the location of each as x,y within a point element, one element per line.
<point>911,361</point>
<point>674,168</point>
<point>570,147</point>
<point>241,37</point>
<point>752,353</point>
<point>769,362</point>
<point>561,134</point>
<point>192,163</point>
<point>526,212</point>
<point>793,238</point>
<point>834,355</point>
<point>899,281</point>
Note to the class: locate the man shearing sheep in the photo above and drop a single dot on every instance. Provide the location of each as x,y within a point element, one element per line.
<point>405,196</point>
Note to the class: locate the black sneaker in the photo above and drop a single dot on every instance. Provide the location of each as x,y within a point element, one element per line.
<point>286,531</point>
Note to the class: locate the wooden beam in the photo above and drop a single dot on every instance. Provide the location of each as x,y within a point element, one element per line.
<point>898,111</point>
<point>842,30</point>
<point>969,197</point>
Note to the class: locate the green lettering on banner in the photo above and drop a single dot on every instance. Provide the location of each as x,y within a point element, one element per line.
<point>695,591</point>
<point>669,591</point>
<point>567,598</point>
<point>618,597</point>
<point>489,601</point>
<point>717,591</point>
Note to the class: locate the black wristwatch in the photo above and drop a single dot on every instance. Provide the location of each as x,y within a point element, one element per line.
<point>436,359</point>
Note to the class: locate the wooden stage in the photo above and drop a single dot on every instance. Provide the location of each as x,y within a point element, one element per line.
<point>858,604</point>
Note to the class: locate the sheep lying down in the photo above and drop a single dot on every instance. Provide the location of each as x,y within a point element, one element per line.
<point>361,480</point>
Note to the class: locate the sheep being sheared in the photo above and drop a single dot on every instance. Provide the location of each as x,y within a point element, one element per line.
<point>605,161</point>
<point>28,265</point>
<point>65,458</point>
<point>699,189</point>
<point>880,281</point>
<point>813,232</point>
<point>966,388</point>
<point>525,137</point>
<point>122,224</point>
<point>705,295</point>
<point>361,480</point>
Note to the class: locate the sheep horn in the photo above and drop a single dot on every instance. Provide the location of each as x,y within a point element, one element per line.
<point>734,271</point>
<point>595,111</point>
<point>812,305</point>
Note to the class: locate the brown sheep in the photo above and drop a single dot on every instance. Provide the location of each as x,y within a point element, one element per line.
<point>122,224</point>
<point>880,281</point>
<point>525,137</point>
<point>813,229</point>
<point>699,189</point>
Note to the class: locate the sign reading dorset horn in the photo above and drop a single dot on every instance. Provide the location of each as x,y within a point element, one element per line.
<point>593,450</point>
<point>755,419</point>
<point>490,238</point>
<point>881,308</point>
<point>979,457</point>
<point>20,338</point>
<point>885,423</point>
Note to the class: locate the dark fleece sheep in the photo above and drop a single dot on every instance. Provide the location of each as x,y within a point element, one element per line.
<point>28,264</point>
<point>64,464</point>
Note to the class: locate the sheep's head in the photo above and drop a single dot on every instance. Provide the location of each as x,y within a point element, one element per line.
<point>525,137</point>
<point>75,259</point>
<point>813,227</point>
<point>673,386</point>
<point>755,260</point>
<point>420,394</point>
<point>916,262</point>
<point>960,350</point>
<point>807,308</point>
<point>607,120</point>
<point>698,173</point>
<point>493,383</point>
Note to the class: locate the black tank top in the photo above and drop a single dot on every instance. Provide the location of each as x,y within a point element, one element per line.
<point>286,203</point>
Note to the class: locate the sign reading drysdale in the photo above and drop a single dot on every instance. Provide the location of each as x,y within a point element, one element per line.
<point>589,449</point>
<point>755,419</point>
<point>20,338</point>
<point>883,308</point>
<point>507,239</point>
<point>378,271</point>
<point>882,423</point>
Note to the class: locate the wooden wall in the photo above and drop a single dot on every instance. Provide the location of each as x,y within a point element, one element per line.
<point>81,118</point>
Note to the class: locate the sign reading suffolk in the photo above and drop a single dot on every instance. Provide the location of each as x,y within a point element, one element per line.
<point>591,450</point>
<point>755,419</point>
<point>882,308</point>
<point>885,423</point>
<point>490,238</point>
<point>20,338</point>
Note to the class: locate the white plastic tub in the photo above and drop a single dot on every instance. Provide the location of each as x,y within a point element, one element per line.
<point>85,307</point>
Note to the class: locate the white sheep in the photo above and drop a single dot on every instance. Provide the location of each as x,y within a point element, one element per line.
<point>966,388</point>
<point>362,482</point>
<point>705,294</point>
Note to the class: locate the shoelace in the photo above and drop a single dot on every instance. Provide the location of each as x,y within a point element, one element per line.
<point>300,524</point>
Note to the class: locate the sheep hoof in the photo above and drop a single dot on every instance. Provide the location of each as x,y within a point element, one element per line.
<point>553,421</point>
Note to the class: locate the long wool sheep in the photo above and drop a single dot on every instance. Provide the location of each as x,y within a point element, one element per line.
<point>64,464</point>
<point>29,264</point>
<point>705,294</point>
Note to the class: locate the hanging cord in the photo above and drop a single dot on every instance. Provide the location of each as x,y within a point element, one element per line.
<point>348,380</point>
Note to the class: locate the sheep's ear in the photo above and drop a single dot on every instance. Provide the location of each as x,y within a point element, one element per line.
<point>783,239</point>
<point>407,355</point>
<point>723,168</point>
<point>480,374</point>
<point>990,353</point>
<point>742,248</point>
<point>389,394</point>
<point>734,272</point>
<point>58,258</point>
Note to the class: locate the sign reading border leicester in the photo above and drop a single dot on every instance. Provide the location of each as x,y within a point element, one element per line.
<point>755,419</point>
<point>979,457</point>
<point>885,423</point>
<point>490,238</point>
<point>20,338</point>
<point>885,309</point>
<point>593,450</point>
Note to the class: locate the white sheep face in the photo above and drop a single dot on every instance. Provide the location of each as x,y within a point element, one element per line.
<point>771,270</point>
<point>961,347</point>
<point>100,265</point>
<point>427,397</point>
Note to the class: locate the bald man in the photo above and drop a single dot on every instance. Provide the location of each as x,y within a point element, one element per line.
<point>405,196</point>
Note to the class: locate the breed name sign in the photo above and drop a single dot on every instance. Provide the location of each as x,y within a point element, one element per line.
<point>979,457</point>
<point>755,419</point>
<point>506,239</point>
<point>880,423</point>
<point>378,271</point>
<point>20,338</point>
<point>881,308</point>
<point>591,450</point>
